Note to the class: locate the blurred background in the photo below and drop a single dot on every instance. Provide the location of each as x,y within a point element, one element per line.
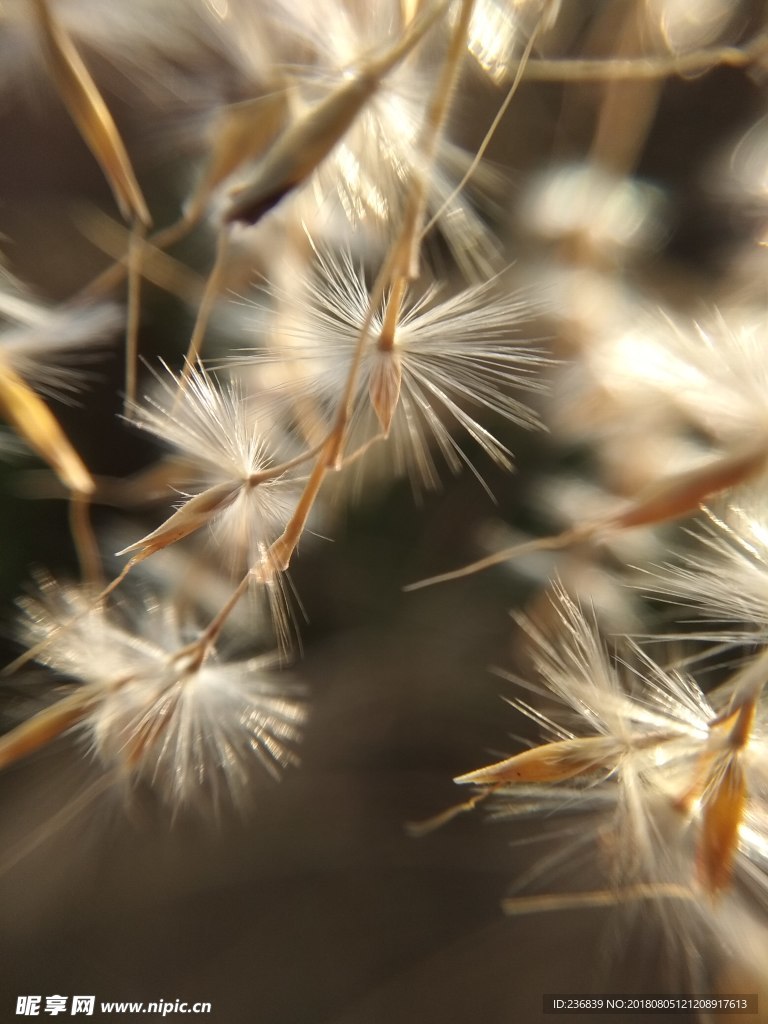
<point>317,906</point>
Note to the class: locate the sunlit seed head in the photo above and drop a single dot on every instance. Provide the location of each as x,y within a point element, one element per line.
<point>212,427</point>
<point>198,737</point>
<point>460,360</point>
<point>609,694</point>
<point>715,371</point>
<point>610,214</point>
<point>723,574</point>
<point>206,421</point>
<point>370,170</point>
<point>676,826</point>
<point>683,28</point>
<point>193,731</point>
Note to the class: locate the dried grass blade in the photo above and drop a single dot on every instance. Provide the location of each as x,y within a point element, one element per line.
<point>90,113</point>
<point>33,420</point>
<point>44,727</point>
<point>242,132</point>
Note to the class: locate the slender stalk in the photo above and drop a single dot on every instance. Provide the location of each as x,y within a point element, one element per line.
<point>394,274</point>
<point>208,301</point>
<point>85,539</point>
<point>409,248</point>
<point>194,654</point>
<point>133,314</point>
<point>596,898</point>
<point>114,274</point>
<point>660,502</point>
<point>603,69</point>
<point>522,64</point>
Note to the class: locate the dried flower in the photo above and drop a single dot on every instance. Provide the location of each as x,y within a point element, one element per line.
<point>154,708</point>
<point>455,360</point>
<point>725,575</point>
<point>225,459</point>
<point>675,788</point>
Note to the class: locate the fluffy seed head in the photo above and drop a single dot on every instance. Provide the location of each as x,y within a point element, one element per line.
<point>459,361</point>
<point>192,730</point>
<point>223,454</point>
<point>646,778</point>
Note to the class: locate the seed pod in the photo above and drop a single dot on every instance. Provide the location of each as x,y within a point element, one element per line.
<point>550,762</point>
<point>384,387</point>
<point>307,142</point>
<point>193,514</point>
